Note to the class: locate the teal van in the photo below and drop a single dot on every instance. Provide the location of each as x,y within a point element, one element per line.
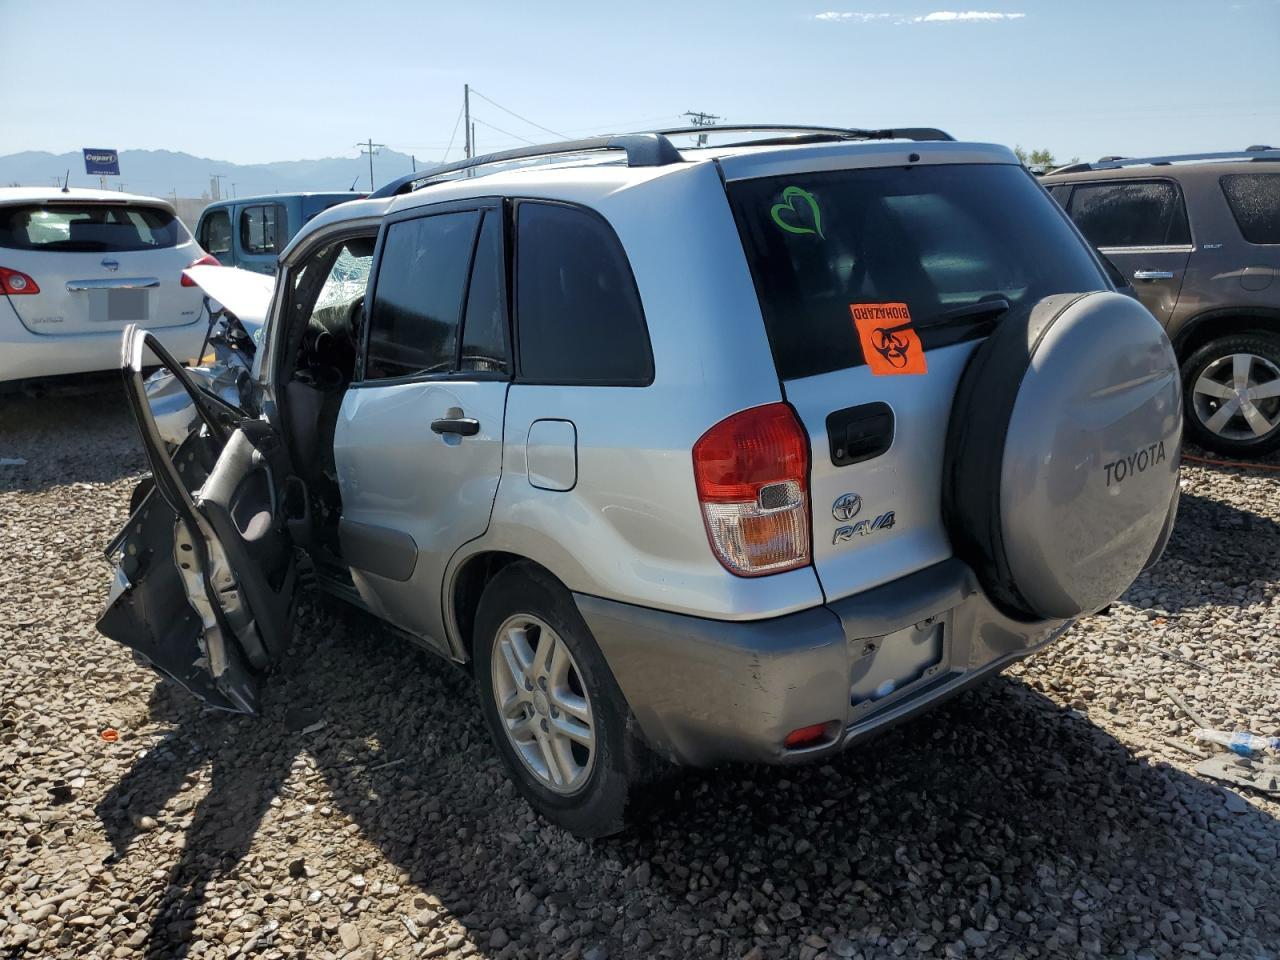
<point>250,232</point>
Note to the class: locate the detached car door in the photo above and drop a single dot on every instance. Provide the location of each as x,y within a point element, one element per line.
<point>205,575</point>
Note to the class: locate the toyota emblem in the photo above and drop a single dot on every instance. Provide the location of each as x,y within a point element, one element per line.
<point>846,507</point>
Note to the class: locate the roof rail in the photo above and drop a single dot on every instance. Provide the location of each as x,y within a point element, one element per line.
<point>642,149</point>
<point>648,149</point>
<point>1116,163</point>
<point>835,133</point>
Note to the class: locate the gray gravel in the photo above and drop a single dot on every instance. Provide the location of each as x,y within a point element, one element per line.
<point>1049,814</point>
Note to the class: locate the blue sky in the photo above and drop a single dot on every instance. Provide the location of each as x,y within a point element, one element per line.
<point>250,82</point>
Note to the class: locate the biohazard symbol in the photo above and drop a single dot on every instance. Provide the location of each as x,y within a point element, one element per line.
<point>890,344</point>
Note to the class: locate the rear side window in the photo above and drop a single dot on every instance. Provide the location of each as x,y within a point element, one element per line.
<point>936,238</point>
<point>262,229</point>
<point>1130,213</point>
<point>484,330</point>
<point>215,233</point>
<point>417,301</point>
<point>577,308</point>
<point>1254,199</point>
<point>89,227</point>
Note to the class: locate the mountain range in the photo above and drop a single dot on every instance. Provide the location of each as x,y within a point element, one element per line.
<point>164,173</point>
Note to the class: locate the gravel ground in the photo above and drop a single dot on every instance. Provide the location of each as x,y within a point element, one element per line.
<point>1049,814</point>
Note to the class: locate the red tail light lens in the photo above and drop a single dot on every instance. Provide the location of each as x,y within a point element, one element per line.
<point>208,260</point>
<point>15,284</point>
<point>806,736</point>
<point>752,474</point>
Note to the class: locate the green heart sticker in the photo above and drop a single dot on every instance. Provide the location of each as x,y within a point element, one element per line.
<point>799,214</point>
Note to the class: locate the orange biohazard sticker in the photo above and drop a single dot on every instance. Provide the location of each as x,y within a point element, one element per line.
<point>889,344</point>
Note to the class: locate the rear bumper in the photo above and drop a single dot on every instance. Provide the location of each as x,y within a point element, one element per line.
<point>706,692</point>
<point>31,356</point>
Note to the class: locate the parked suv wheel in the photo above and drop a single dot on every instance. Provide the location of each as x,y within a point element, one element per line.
<point>1232,390</point>
<point>553,709</point>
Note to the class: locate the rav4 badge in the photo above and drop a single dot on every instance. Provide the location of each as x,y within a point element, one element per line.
<point>862,528</point>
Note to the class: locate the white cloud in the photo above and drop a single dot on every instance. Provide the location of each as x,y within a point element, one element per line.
<point>952,16</point>
<point>937,16</point>
<point>840,17</point>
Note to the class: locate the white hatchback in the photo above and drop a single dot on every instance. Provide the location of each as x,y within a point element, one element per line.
<point>77,267</point>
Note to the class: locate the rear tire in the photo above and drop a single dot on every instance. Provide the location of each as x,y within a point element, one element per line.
<point>525,620</point>
<point>1218,416</point>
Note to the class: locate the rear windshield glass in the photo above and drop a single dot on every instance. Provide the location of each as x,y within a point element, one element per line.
<point>935,238</point>
<point>89,227</point>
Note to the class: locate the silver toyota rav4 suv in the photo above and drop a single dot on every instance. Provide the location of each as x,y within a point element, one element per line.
<point>691,455</point>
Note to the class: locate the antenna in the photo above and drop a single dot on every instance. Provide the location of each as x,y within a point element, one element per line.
<point>66,180</point>
<point>353,183</point>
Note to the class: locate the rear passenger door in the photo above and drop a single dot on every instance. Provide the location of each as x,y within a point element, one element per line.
<point>1140,226</point>
<point>418,445</point>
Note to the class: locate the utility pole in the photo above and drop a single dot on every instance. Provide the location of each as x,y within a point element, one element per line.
<point>700,119</point>
<point>466,109</point>
<point>215,181</point>
<point>370,148</point>
<point>233,190</point>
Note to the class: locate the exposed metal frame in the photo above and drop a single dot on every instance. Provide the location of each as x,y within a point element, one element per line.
<point>649,149</point>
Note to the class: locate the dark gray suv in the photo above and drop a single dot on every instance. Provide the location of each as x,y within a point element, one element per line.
<point>1199,238</point>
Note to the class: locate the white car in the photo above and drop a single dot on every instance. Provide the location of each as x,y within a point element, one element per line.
<point>77,267</point>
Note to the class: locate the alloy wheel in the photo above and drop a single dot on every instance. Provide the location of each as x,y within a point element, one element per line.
<point>1237,396</point>
<point>543,703</point>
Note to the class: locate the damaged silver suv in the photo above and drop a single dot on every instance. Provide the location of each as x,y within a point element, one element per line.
<point>692,455</point>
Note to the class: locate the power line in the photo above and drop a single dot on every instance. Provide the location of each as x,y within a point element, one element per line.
<point>518,117</point>
<point>514,136</point>
<point>452,136</point>
<point>620,125</point>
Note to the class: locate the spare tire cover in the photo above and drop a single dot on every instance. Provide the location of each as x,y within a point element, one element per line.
<point>1061,469</point>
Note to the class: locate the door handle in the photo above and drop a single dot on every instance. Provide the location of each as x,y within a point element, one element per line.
<point>1153,274</point>
<point>462,426</point>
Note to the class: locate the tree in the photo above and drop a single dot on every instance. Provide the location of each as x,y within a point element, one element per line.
<point>1039,161</point>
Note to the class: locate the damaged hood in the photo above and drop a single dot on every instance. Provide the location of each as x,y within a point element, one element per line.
<point>242,292</point>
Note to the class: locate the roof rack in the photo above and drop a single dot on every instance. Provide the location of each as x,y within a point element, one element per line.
<point>648,149</point>
<point>642,149</point>
<point>1116,162</point>
<point>833,133</point>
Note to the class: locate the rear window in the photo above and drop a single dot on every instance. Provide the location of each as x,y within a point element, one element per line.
<point>89,227</point>
<point>215,233</point>
<point>262,229</point>
<point>1254,199</point>
<point>417,303</point>
<point>936,238</point>
<point>577,308</point>
<point>1148,213</point>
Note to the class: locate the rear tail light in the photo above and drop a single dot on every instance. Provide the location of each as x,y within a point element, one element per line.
<point>752,472</point>
<point>16,284</point>
<point>208,260</point>
<point>808,736</point>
